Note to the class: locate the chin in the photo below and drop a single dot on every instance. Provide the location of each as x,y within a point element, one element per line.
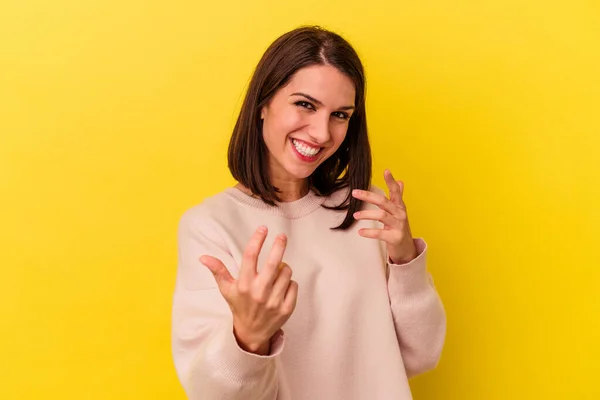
<point>300,173</point>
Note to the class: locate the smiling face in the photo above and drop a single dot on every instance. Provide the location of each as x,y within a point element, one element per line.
<point>306,122</point>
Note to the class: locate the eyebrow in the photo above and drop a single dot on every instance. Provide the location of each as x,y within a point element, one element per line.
<point>319,102</point>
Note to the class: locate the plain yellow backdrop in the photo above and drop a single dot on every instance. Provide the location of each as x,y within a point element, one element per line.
<point>115,118</point>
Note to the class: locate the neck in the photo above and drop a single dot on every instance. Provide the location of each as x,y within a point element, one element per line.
<point>288,190</point>
<point>291,190</point>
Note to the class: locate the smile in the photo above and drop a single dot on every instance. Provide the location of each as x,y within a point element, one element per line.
<point>305,150</point>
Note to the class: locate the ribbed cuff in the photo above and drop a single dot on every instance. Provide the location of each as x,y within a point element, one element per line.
<point>241,365</point>
<point>411,278</point>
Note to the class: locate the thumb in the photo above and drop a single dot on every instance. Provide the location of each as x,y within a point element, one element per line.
<point>219,271</point>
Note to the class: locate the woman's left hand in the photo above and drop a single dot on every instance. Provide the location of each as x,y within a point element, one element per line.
<point>392,213</point>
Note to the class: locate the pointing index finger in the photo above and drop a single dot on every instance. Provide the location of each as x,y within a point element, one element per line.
<point>375,198</point>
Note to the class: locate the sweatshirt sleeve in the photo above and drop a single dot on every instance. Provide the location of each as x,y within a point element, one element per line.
<point>208,360</point>
<point>418,313</point>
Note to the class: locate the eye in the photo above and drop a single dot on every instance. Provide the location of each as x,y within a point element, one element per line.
<point>305,104</point>
<point>341,115</point>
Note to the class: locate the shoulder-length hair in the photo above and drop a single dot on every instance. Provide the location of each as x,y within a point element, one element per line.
<point>350,166</point>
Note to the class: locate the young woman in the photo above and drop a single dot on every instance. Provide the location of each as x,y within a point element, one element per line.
<point>361,315</point>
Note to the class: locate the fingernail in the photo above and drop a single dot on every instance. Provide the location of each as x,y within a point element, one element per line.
<point>356,214</point>
<point>262,229</point>
<point>356,192</point>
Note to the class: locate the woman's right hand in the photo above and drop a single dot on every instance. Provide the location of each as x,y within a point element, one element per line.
<point>260,302</point>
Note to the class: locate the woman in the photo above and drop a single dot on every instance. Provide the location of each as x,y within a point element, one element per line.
<point>361,315</point>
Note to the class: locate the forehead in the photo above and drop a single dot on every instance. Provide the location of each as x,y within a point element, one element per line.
<point>325,83</point>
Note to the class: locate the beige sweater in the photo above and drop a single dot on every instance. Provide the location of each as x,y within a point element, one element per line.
<point>361,326</point>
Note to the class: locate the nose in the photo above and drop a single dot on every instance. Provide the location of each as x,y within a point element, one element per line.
<point>319,130</point>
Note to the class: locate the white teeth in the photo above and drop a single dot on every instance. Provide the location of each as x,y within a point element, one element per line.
<point>305,150</point>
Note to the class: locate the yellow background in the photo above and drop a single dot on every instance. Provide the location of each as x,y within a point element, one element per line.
<point>115,117</point>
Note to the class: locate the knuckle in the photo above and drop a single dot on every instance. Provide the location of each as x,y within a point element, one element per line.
<point>269,266</point>
<point>401,215</point>
<point>243,288</point>
<point>251,253</point>
<point>272,305</point>
<point>285,311</point>
<point>398,237</point>
<point>259,298</point>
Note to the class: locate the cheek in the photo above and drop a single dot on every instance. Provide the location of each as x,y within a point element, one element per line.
<point>338,133</point>
<point>284,122</point>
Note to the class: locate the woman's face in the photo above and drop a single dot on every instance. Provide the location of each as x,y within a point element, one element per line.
<point>306,121</point>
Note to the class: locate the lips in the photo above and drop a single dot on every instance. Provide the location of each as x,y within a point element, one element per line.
<point>305,149</point>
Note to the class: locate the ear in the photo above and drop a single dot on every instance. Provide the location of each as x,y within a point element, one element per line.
<point>263,112</point>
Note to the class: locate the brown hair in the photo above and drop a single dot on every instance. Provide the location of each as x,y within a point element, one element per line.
<point>248,154</point>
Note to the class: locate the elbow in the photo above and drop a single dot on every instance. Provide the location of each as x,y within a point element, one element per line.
<point>425,358</point>
<point>422,363</point>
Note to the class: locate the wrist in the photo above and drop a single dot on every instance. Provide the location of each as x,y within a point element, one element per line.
<point>252,346</point>
<point>404,258</point>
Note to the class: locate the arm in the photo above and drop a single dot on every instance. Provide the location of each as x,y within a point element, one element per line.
<point>418,313</point>
<point>209,362</point>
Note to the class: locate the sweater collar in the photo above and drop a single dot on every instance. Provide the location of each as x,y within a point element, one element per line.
<point>289,209</point>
